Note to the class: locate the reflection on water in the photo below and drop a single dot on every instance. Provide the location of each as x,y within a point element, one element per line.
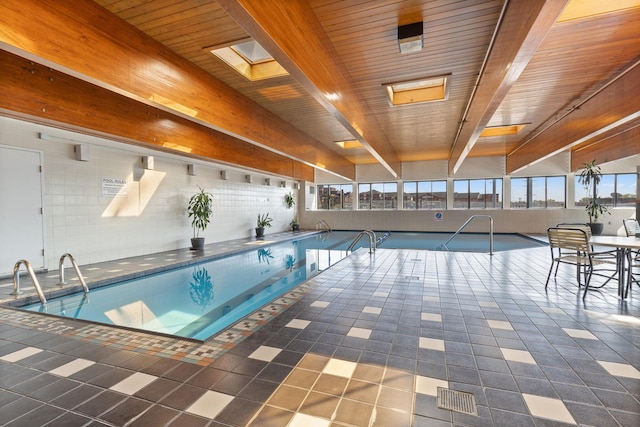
<point>201,287</point>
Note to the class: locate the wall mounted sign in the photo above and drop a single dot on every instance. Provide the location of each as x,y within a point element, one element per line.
<point>114,187</point>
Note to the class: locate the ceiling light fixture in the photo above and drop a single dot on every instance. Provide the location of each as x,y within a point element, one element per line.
<point>410,37</point>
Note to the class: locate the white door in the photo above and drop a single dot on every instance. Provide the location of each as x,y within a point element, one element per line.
<point>21,219</point>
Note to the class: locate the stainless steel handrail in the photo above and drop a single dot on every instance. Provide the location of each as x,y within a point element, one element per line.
<point>372,240</point>
<point>75,267</point>
<point>323,224</point>
<point>444,245</point>
<point>16,280</point>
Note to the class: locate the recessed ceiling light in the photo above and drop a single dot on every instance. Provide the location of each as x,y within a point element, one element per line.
<point>250,59</point>
<point>417,91</point>
<point>502,130</point>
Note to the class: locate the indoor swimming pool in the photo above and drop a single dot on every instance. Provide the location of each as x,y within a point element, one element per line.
<point>200,300</point>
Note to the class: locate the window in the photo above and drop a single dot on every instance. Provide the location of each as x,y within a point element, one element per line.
<point>538,192</point>
<point>614,190</point>
<point>335,196</point>
<point>381,195</point>
<point>424,195</point>
<point>477,193</point>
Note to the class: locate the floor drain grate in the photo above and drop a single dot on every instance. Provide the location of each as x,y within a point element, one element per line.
<point>458,401</point>
<point>412,277</point>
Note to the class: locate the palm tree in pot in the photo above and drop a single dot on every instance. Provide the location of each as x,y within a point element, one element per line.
<point>200,211</point>
<point>590,177</point>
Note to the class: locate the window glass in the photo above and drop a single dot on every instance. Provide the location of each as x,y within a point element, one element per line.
<point>461,194</point>
<point>556,192</point>
<point>409,195</point>
<point>626,191</point>
<point>364,196</point>
<point>519,193</point>
<point>390,190</point>
<point>538,192</point>
<point>614,190</point>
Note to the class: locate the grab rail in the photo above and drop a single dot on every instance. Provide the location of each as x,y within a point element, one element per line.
<point>16,280</point>
<point>75,267</point>
<point>323,224</point>
<point>372,240</point>
<point>444,245</point>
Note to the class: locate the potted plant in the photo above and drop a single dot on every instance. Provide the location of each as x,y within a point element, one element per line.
<point>590,177</point>
<point>295,225</point>
<point>199,210</point>
<point>289,200</point>
<point>264,221</point>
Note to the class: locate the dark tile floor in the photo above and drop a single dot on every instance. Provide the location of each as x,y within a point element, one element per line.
<point>373,341</point>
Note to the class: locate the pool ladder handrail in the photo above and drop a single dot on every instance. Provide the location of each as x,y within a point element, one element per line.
<point>32,274</point>
<point>444,245</point>
<point>323,224</point>
<point>372,240</point>
<point>61,281</point>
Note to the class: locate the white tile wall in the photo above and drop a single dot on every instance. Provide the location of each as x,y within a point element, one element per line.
<point>152,218</point>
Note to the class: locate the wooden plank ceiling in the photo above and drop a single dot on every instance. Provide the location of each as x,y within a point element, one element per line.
<point>539,63</point>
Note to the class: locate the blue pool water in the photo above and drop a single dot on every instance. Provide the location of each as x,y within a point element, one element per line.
<point>199,301</point>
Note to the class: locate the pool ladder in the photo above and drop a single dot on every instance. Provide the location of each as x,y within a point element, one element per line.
<point>34,279</point>
<point>444,245</point>
<point>61,281</point>
<point>372,240</point>
<point>322,225</point>
<point>32,274</point>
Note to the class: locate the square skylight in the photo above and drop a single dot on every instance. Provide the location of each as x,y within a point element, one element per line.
<point>250,59</point>
<point>417,91</point>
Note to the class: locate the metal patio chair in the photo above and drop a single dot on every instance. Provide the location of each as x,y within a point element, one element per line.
<point>571,246</point>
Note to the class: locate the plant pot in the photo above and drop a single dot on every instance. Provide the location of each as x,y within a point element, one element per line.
<point>259,232</point>
<point>295,227</point>
<point>596,228</point>
<point>197,243</point>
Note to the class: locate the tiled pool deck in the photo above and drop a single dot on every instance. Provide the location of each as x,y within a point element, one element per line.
<point>368,342</point>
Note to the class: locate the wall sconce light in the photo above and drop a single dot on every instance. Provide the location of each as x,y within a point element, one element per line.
<point>191,169</point>
<point>223,175</point>
<point>147,162</point>
<point>296,185</point>
<point>247,178</point>
<point>283,184</point>
<point>410,37</point>
<point>81,152</point>
<point>267,181</point>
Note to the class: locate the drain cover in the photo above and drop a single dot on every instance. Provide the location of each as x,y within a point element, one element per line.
<point>458,401</point>
<point>412,277</point>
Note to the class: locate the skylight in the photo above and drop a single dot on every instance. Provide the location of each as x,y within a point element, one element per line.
<point>502,130</point>
<point>417,91</point>
<point>250,60</point>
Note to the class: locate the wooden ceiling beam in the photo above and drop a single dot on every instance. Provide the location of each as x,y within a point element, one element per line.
<point>615,147</point>
<point>292,34</point>
<point>615,106</point>
<point>523,26</point>
<point>40,94</point>
<point>86,41</point>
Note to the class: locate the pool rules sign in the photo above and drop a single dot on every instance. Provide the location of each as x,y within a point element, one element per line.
<point>114,187</point>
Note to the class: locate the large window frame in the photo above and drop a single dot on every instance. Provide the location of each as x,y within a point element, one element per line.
<point>334,196</point>
<point>488,193</point>
<point>538,192</point>
<point>621,189</point>
<point>424,195</point>
<point>378,196</point>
